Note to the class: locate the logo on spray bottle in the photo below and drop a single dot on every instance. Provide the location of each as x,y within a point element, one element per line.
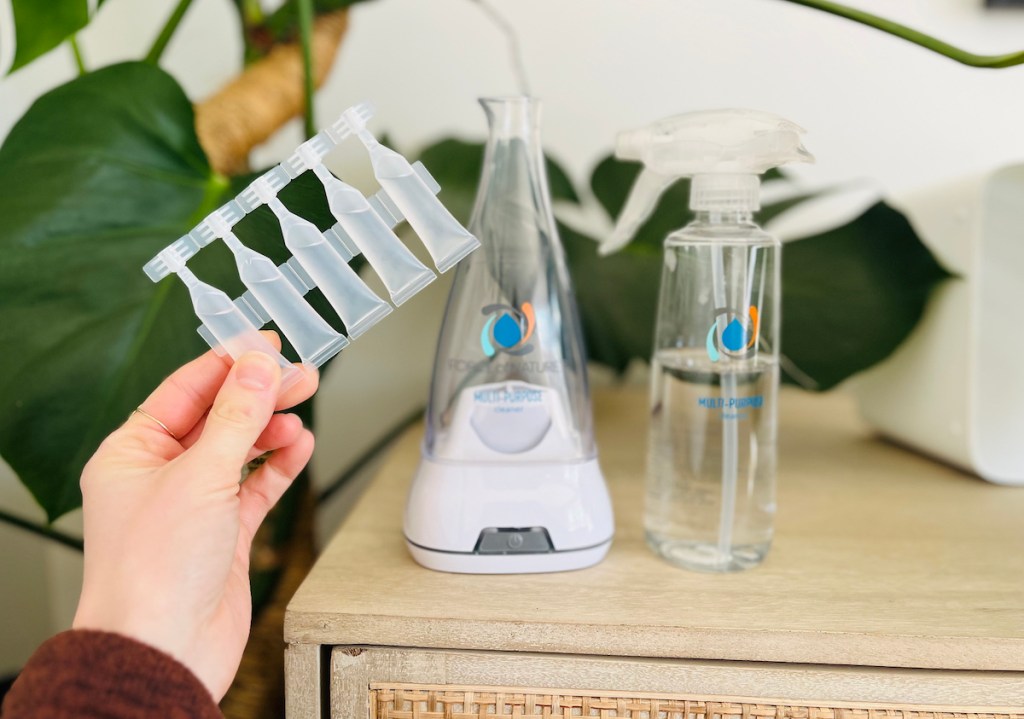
<point>739,335</point>
<point>507,329</point>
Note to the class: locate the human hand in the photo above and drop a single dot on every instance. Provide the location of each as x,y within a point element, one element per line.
<point>168,526</point>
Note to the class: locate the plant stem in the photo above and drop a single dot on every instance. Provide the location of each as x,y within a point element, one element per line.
<point>153,56</point>
<point>252,12</point>
<point>306,38</point>
<point>42,530</point>
<point>252,16</point>
<point>76,51</point>
<point>514,49</point>
<point>913,36</point>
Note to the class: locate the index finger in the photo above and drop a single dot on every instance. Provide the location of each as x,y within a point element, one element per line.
<point>182,399</point>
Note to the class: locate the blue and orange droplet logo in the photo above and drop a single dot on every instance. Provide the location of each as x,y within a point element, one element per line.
<point>507,329</point>
<point>738,336</point>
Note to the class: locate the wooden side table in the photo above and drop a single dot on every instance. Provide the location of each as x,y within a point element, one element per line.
<point>895,589</point>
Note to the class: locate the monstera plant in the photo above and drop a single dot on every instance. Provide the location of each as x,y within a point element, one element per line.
<point>103,171</point>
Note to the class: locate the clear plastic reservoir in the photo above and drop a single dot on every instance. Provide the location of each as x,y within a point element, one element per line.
<point>510,381</point>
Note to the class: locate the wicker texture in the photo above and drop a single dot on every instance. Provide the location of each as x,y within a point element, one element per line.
<point>409,701</point>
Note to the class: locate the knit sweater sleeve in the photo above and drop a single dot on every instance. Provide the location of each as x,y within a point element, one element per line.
<point>88,674</point>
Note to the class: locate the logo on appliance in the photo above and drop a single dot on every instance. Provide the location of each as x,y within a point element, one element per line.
<point>507,329</point>
<point>739,335</point>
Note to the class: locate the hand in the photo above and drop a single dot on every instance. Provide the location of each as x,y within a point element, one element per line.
<point>168,526</point>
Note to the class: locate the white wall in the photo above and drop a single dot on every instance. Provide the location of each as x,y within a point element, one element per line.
<point>875,107</point>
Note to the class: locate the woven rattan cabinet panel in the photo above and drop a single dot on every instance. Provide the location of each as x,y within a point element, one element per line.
<point>392,683</point>
<point>413,702</point>
<point>895,585</point>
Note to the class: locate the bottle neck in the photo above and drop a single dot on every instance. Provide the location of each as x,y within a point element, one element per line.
<point>512,117</point>
<point>513,190</point>
<point>725,194</point>
<point>724,217</point>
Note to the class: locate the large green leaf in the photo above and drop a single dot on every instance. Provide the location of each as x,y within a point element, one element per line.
<point>849,295</point>
<point>41,25</point>
<point>617,298</point>
<point>611,182</point>
<point>95,178</point>
<point>98,176</point>
<point>852,294</point>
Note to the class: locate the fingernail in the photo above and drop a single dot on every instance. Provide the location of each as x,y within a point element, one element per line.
<point>256,370</point>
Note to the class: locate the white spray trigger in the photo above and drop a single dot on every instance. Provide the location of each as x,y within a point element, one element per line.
<point>723,150</point>
<point>639,205</point>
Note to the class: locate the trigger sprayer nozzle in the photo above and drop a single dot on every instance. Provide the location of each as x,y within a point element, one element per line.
<point>723,150</point>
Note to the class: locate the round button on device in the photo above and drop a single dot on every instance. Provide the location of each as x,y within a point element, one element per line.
<point>515,540</point>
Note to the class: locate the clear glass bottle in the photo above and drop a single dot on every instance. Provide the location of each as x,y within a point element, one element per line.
<point>711,458</point>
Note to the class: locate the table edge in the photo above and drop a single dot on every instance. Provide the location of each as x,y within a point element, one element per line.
<point>697,643</point>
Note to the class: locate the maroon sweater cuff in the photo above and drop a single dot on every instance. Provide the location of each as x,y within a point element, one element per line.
<point>86,674</point>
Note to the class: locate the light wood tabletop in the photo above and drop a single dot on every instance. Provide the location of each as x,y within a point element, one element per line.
<point>881,558</point>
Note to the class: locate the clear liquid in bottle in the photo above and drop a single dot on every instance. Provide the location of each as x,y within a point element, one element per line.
<point>698,409</point>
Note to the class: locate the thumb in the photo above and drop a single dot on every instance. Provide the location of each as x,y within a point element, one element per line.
<point>240,413</point>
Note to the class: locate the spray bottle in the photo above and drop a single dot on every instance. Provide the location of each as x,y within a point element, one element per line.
<point>711,456</point>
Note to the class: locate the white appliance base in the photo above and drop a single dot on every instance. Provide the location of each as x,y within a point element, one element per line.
<point>508,518</point>
<point>508,563</point>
